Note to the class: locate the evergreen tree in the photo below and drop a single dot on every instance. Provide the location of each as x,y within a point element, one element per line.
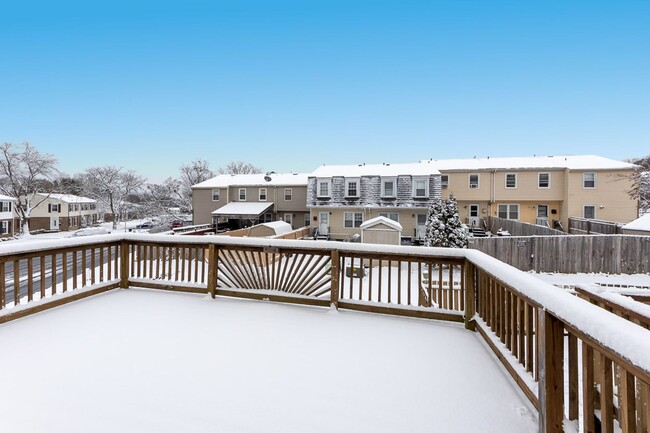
<point>455,235</point>
<point>434,235</point>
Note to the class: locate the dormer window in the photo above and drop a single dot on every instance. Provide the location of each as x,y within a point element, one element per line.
<point>324,187</point>
<point>421,187</point>
<point>352,187</point>
<point>388,186</point>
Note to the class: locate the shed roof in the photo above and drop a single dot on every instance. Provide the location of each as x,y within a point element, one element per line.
<point>279,227</point>
<point>243,209</point>
<point>381,220</point>
<point>640,224</point>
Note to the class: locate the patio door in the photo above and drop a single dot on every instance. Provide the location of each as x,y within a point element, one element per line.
<point>473,215</point>
<point>324,223</point>
<point>542,215</point>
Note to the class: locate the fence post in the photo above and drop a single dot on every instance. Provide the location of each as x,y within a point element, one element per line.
<point>470,296</point>
<point>124,265</point>
<point>334,278</point>
<point>551,373</point>
<point>213,257</point>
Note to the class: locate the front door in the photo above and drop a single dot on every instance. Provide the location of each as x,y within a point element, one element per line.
<point>324,223</point>
<point>54,223</point>
<point>420,228</point>
<point>473,215</point>
<point>542,215</point>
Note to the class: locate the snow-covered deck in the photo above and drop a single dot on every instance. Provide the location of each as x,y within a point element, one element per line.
<point>148,361</point>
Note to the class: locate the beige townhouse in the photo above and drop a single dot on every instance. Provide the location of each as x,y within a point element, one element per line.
<point>242,200</point>
<point>9,222</point>
<point>342,197</point>
<point>539,189</point>
<point>62,212</point>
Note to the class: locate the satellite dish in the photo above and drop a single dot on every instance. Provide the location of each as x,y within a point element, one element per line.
<point>267,178</point>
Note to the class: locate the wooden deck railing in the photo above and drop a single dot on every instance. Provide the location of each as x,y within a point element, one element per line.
<point>540,333</point>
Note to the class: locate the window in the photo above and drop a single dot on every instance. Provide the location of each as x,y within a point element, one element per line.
<point>508,211</point>
<point>511,180</point>
<point>542,211</point>
<point>266,218</point>
<point>388,187</point>
<point>6,206</point>
<point>353,219</point>
<point>352,188</point>
<point>288,194</point>
<point>216,195</point>
<point>543,180</point>
<point>444,181</point>
<point>55,208</point>
<point>473,180</point>
<point>288,218</point>
<point>420,187</point>
<point>4,227</point>
<point>589,180</point>
<point>589,212</point>
<point>262,194</point>
<point>307,220</point>
<point>324,186</point>
<point>242,194</point>
<point>390,215</point>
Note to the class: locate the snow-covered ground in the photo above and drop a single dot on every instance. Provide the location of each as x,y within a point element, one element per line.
<point>139,360</point>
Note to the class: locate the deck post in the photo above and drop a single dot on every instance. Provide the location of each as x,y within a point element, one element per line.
<point>124,265</point>
<point>470,296</point>
<point>551,373</point>
<point>334,276</point>
<point>212,270</point>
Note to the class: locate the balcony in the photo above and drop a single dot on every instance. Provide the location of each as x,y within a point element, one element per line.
<point>151,350</point>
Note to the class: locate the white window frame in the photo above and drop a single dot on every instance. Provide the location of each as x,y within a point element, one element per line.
<point>307,220</point>
<point>444,181</point>
<point>288,192</point>
<point>388,215</point>
<point>548,210</point>
<point>54,206</point>
<point>506,180</point>
<point>426,186</point>
<point>239,194</point>
<point>539,180</point>
<point>478,180</point>
<point>217,195</point>
<point>347,187</point>
<point>353,220</point>
<point>4,227</point>
<point>266,195</point>
<point>384,180</point>
<point>288,218</point>
<point>6,206</point>
<point>584,179</point>
<point>584,213</point>
<point>319,183</point>
<point>509,211</point>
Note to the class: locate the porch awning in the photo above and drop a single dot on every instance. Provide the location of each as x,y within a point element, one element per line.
<point>242,210</point>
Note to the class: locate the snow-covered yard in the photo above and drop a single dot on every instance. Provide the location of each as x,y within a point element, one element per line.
<point>146,361</point>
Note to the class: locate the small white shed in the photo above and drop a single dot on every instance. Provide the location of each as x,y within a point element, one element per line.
<point>274,228</point>
<point>640,226</point>
<point>381,230</point>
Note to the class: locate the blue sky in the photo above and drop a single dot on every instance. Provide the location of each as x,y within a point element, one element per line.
<point>290,85</point>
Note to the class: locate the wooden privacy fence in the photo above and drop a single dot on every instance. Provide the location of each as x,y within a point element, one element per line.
<point>540,333</point>
<point>582,226</point>
<point>518,228</point>
<point>612,254</point>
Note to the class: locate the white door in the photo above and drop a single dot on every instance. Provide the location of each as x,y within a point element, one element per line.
<point>542,215</point>
<point>288,218</point>
<point>420,228</point>
<point>474,215</point>
<point>54,223</point>
<point>324,223</point>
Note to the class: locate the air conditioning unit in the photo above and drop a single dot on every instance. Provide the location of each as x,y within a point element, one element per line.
<point>473,186</point>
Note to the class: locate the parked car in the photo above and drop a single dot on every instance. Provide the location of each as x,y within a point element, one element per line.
<point>90,231</point>
<point>177,223</point>
<point>145,226</point>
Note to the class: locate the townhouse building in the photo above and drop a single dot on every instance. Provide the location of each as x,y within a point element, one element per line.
<point>341,197</point>
<point>62,212</point>
<point>9,222</point>
<point>540,189</point>
<point>243,200</point>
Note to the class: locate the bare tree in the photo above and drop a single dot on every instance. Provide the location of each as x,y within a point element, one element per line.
<point>24,171</point>
<point>239,167</point>
<point>640,189</point>
<point>113,187</point>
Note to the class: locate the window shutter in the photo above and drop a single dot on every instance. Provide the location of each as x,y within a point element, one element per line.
<point>49,208</point>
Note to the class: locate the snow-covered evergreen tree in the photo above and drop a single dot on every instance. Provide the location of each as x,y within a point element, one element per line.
<point>455,235</point>
<point>434,234</point>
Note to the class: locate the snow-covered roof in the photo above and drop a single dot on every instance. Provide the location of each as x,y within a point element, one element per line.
<point>381,220</point>
<point>6,198</point>
<point>226,180</point>
<point>238,209</point>
<point>356,170</point>
<point>69,198</point>
<point>572,162</point>
<point>279,227</point>
<point>641,224</point>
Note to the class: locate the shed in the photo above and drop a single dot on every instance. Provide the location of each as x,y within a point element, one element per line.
<point>640,226</point>
<point>274,228</point>
<point>381,230</point>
